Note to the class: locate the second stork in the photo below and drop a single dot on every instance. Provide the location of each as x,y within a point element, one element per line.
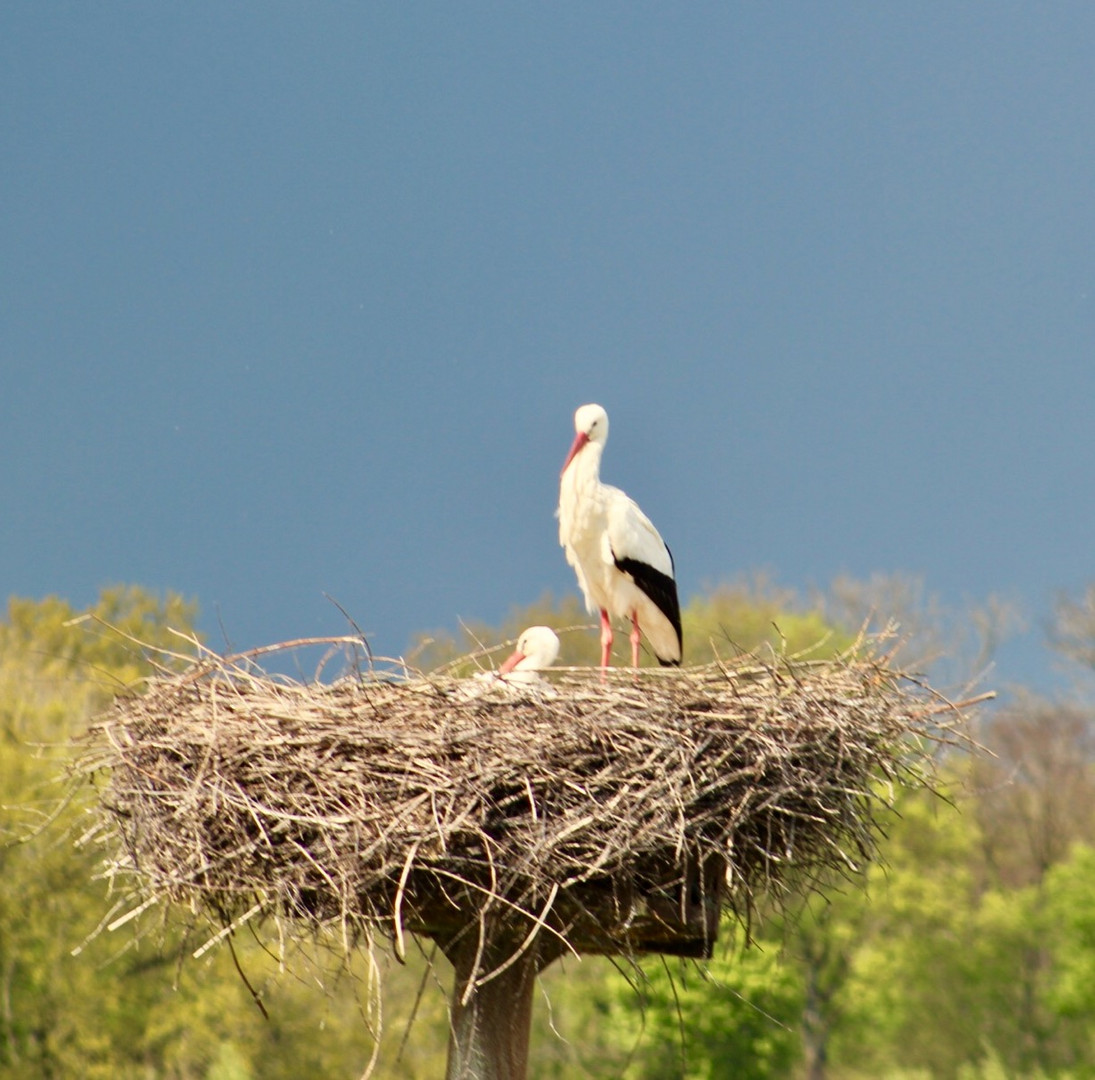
<point>624,567</point>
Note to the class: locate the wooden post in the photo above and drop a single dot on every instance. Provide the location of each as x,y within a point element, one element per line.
<point>676,913</point>
<point>489,1036</point>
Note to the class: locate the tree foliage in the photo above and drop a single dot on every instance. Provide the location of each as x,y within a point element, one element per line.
<point>1072,629</point>
<point>124,1008</point>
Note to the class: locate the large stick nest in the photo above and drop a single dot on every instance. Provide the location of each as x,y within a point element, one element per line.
<point>619,815</point>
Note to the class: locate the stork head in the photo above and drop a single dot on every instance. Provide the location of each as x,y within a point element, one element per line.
<point>590,426</point>
<point>537,648</point>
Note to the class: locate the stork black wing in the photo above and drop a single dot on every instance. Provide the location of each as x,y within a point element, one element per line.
<point>661,589</point>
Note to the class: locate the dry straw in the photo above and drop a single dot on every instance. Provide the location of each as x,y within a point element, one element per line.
<point>616,816</point>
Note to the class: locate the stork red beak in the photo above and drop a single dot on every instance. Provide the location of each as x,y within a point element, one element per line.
<point>511,662</point>
<point>579,441</point>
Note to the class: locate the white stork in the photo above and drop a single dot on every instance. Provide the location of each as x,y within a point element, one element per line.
<point>519,675</point>
<point>537,648</point>
<point>624,567</point>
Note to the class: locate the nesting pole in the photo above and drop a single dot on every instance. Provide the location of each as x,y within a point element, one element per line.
<point>496,958</point>
<point>618,817</point>
<point>490,1022</point>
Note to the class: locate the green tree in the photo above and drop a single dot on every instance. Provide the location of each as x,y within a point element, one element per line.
<point>953,967</point>
<point>734,1015</point>
<point>1072,629</point>
<point>132,1006</point>
<point>57,668</point>
<point>1070,888</point>
<point>757,617</point>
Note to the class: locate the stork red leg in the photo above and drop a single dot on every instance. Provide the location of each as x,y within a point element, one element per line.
<point>606,638</point>
<point>634,639</point>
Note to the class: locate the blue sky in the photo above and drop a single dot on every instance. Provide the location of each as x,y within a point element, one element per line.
<point>301,298</point>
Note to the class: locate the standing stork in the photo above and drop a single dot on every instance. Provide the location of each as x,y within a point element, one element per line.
<point>624,567</point>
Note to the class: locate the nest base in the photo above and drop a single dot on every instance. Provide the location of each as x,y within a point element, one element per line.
<point>664,912</point>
